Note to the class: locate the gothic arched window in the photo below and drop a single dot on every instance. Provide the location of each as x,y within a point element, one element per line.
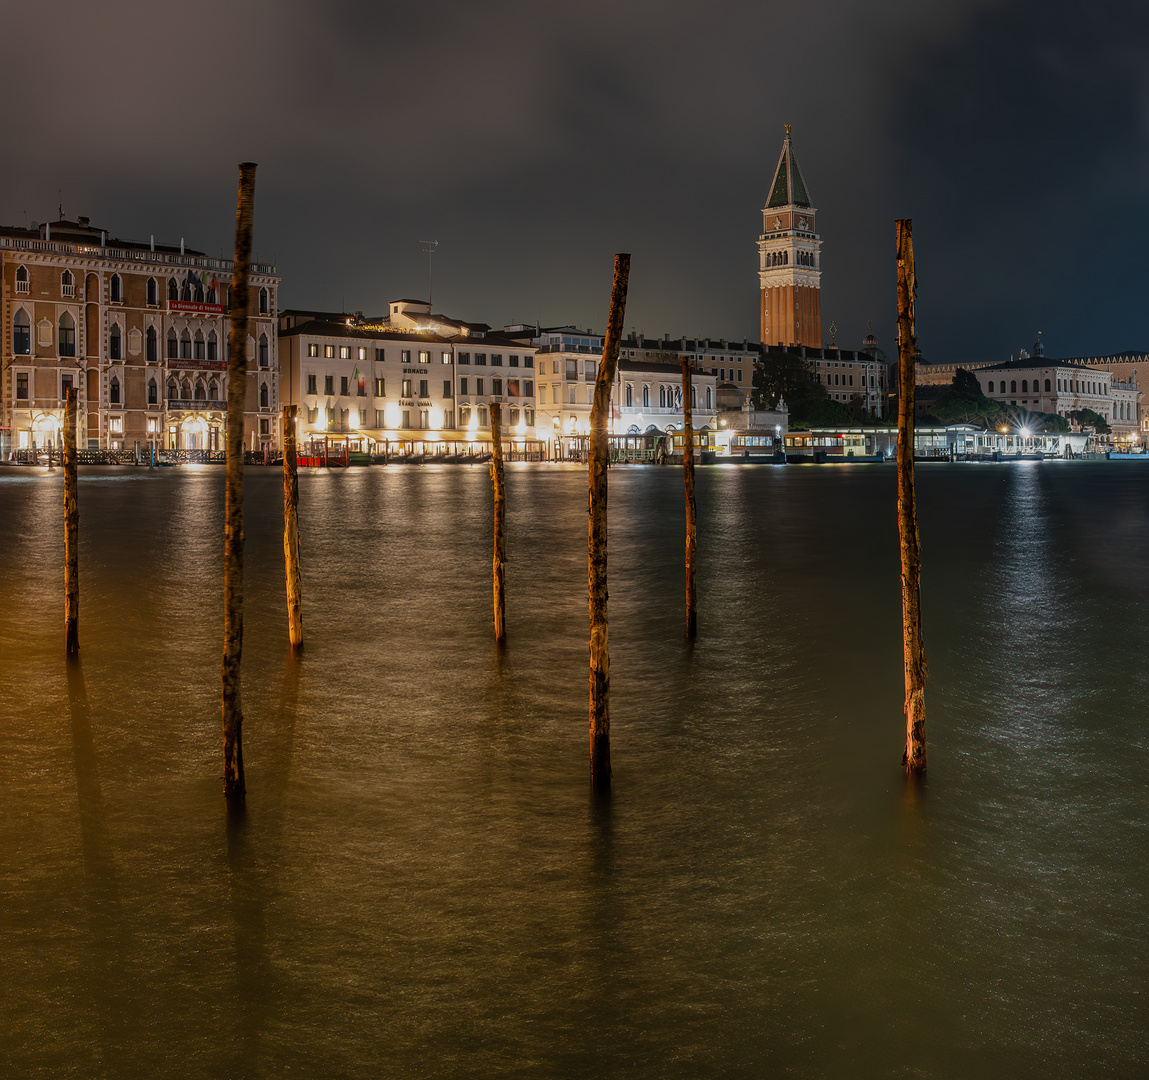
<point>67,334</point>
<point>21,333</point>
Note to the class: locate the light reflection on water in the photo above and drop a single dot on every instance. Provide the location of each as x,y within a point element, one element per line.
<point>423,885</point>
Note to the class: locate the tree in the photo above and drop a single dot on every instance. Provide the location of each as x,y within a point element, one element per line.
<point>962,402</point>
<point>785,374</point>
<point>1088,418</point>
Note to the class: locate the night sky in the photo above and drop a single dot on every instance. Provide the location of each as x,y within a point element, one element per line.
<point>533,140</point>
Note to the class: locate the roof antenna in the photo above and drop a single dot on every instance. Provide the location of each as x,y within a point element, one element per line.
<point>60,192</point>
<point>429,247</point>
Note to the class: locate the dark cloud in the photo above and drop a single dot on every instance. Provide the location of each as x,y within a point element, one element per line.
<point>533,140</point>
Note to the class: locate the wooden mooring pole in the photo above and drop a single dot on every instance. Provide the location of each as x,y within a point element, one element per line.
<point>71,530</point>
<point>599,455</point>
<point>688,485</point>
<point>291,529</point>
<point>913,650</point>
<point>499,564</point>
<point>234,788</point>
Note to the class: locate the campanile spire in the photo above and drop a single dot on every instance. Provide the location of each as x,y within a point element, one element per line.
<point>789,258</point>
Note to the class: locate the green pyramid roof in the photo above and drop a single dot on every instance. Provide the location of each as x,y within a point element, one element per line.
<point>788,189</point>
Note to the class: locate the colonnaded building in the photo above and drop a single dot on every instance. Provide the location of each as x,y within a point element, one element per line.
<point>141,331</point>
<point>1108,385</point>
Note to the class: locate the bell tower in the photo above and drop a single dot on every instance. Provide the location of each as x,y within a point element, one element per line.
<point>790,259</point>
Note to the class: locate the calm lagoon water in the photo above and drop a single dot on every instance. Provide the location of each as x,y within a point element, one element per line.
<point>424,886</point>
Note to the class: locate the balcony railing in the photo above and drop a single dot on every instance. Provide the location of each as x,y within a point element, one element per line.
<point>142,255</point>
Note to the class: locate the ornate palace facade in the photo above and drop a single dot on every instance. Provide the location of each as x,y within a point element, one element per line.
<point>140,330</point>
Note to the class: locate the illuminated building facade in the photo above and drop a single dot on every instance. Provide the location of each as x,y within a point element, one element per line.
<point>860,379</point>
<point>1064,387</point>
<point>410,381</point>
<point>1108,385</point>
<point>647,393</point>
<point>790,259</point>
<point>139,329</point>
<point>731,363</point>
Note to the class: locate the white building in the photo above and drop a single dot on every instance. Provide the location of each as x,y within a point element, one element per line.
<point>730,362</point>
<point>408,382</point>
<point>1060,387</point>
<point>645,396</point>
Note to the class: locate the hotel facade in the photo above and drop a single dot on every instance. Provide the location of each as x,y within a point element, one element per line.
<point>411,382</point>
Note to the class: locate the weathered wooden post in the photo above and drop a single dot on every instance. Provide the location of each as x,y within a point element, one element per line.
<point>291,529</point>
<point>913,651</point>
<point>599,455</point>
<point>234,788</point>
<point>500,557</point>
<point>688,484</point>
<point>71,530</point>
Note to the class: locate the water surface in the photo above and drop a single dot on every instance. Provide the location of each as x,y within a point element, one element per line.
<point>423,885</point>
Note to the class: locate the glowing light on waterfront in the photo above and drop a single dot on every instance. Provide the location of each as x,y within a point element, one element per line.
<point>46,424</point>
